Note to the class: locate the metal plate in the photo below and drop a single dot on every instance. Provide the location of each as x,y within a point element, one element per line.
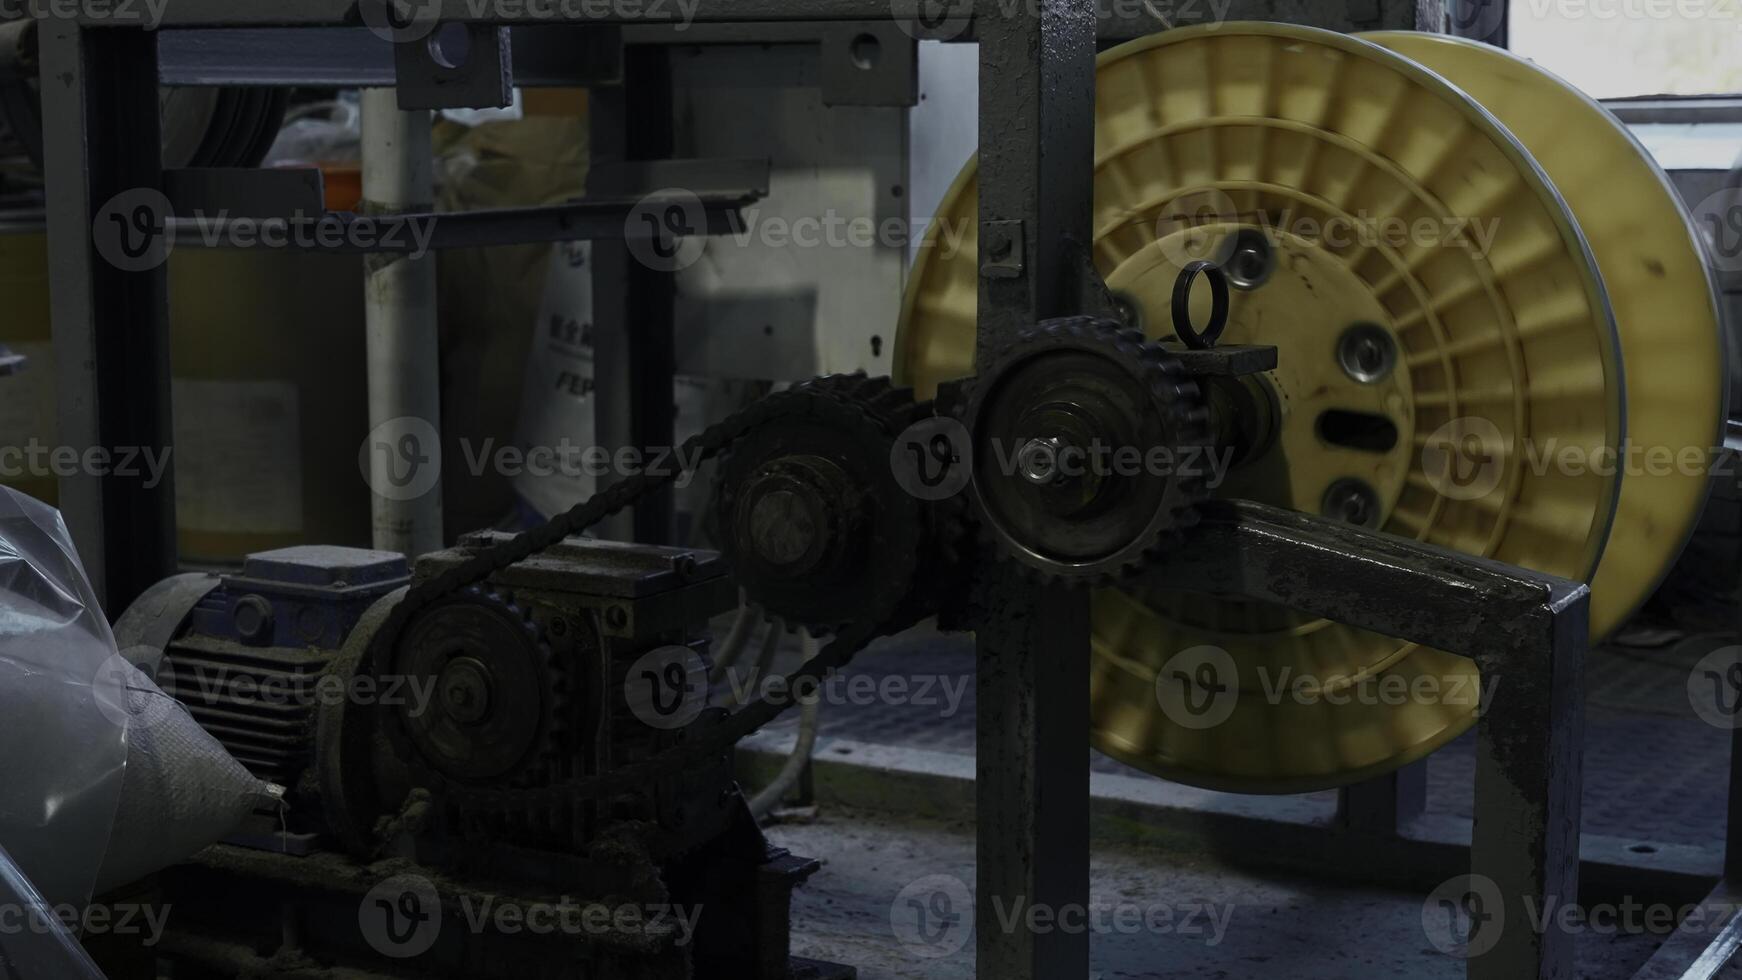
<point>1491,298</point>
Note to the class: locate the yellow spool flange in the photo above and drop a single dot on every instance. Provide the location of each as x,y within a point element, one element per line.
<point>1659,284</point>
<point>1390,199</point>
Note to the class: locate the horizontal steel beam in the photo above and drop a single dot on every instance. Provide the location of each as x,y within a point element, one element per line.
<point>1467,605</point>
<point>344,232</point>
<point>356,57</point>
<point>1115,21</point>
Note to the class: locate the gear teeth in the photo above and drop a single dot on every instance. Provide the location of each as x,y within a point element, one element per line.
<point>1174,394</point>
<point>868,414</point>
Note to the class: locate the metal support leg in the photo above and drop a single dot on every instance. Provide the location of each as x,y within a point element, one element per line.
<point>109,297</point>
<point>1036,117</point>
<point>1529,759</point>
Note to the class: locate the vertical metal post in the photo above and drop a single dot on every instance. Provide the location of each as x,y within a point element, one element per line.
<point>1488,21</point>
<point>1733,822</point>
<point>1037,93</point>
<point>1524,854</point>
<point>109,297</point>
<point>400,330</point>
<point>635,352</point>
<point>1386,803</point>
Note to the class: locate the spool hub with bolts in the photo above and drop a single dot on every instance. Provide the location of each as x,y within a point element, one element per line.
<point>1446,290</point>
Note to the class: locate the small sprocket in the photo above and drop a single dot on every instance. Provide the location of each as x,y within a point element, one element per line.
<point>809,509</point>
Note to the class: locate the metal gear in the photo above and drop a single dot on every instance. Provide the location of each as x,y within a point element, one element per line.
<point>1088,448</point>
<point>809,509</point>
<point>496,698</point>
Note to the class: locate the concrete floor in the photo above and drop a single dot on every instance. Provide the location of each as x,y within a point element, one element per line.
<point>1223,924</point>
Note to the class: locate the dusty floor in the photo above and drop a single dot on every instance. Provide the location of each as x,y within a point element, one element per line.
<point>863,909</point>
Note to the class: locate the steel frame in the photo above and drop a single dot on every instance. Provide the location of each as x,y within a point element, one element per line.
<point>111,337</point>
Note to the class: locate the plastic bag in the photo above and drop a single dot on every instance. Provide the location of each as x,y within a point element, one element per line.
<point>41,947</point>
<point>104,778</point>
<point>63,714</point>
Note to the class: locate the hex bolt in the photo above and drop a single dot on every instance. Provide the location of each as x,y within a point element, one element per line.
<point>1353,501</point>
<point>1367,353</point>
<point>1038,461</point>
<point>1251,261</point>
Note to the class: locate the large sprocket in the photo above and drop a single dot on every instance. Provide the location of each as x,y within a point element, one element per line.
<point>1090,450</point>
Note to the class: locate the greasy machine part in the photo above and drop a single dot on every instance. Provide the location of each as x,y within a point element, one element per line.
<point>1437,311</point>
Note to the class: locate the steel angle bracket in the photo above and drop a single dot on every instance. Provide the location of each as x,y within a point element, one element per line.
<point>1527,633</point>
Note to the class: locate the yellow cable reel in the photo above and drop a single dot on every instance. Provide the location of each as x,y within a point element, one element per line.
<point>1450,363</point>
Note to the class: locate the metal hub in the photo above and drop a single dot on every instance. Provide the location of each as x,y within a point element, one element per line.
<point>812,517</point>
<point>492,691</point>
<point>795,515</point>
